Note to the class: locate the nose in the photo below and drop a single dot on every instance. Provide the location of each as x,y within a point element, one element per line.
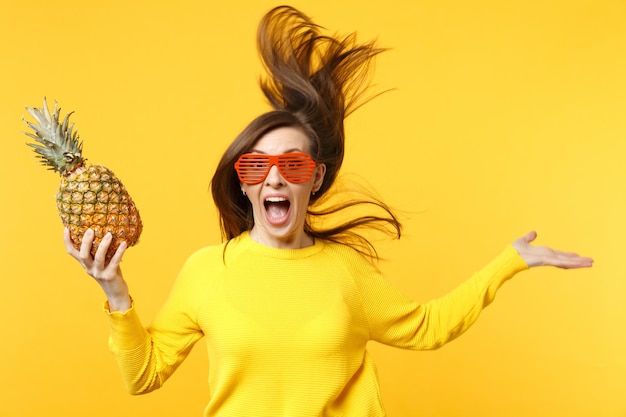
<point>274,178</point>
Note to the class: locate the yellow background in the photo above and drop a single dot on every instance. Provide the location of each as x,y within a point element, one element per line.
<point>506,116</point>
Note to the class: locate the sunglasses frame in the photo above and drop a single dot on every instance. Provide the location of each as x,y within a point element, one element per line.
<point>300,174</point>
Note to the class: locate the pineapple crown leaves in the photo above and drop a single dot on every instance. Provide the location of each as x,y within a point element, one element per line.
<point>59,147</point>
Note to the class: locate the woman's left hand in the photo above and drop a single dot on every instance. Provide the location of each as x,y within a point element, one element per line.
<point>544,256</point>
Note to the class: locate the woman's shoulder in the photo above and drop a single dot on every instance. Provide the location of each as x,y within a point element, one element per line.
<point>350,256</point>
<point>220,252</point>
<point>206,254</point>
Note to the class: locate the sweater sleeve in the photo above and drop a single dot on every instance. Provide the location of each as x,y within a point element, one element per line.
<point>395,320</point>
<point>147,357</point>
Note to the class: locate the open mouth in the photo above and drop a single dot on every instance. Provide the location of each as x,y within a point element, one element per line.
<point>277,209</point>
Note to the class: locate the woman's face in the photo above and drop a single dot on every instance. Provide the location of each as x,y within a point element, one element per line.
<point>280,206</point>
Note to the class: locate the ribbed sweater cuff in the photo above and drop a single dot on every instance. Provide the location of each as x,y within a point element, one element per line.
<point>504,267</point>
<point>127,333</point>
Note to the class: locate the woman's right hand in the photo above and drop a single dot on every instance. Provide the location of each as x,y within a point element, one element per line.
<point>108,276</point>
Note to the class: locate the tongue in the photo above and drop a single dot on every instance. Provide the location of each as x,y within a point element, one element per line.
<point>277,212</point>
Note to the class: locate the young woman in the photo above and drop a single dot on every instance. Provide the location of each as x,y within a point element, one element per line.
<point>285,305</point>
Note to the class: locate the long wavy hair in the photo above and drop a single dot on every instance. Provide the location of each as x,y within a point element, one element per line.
<point>313,83</point>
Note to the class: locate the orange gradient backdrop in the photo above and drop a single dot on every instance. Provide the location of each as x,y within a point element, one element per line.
<point>502,117</point>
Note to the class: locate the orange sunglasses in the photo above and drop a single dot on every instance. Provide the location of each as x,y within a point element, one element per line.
<point>295,167</point>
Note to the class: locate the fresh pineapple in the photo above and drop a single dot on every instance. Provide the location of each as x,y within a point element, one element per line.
<point>89,196</point>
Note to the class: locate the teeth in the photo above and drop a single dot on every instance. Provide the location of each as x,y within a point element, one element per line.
<point>275,199</point>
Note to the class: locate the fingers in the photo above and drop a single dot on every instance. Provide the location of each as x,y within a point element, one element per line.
<point>97,265</point>
<point>100,257</point>
<point>69,245</point>
<point>571,263</point>
<point>561,259</point>
<point>569,260</point>
<point>103,248</point>
<point>119,253</point>
<point>86,244</point>
<point>578,263</point>
<point>565,254</point>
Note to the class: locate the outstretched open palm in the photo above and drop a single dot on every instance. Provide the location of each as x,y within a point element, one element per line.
<point>545,256</point>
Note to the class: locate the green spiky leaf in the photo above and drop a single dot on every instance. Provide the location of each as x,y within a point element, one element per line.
<point>58,145</point>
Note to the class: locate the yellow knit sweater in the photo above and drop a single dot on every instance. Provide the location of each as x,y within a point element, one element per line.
<point>286,330</point>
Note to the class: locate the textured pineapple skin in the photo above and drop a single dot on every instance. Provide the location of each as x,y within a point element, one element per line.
<point>94,198</point>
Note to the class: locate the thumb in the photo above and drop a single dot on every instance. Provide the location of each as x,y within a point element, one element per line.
<point>530,236</point>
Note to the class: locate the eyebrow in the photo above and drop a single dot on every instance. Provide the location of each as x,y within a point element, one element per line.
<point>292,150</point>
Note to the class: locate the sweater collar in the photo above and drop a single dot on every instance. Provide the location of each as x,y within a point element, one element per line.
<point>245,242</point>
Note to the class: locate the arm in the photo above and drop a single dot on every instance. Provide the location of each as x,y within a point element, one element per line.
<point>146,357</point>
<point>108,276</point>
<point>400,322</point>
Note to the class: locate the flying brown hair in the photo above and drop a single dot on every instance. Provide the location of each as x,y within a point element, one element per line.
<point>313,82</point>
